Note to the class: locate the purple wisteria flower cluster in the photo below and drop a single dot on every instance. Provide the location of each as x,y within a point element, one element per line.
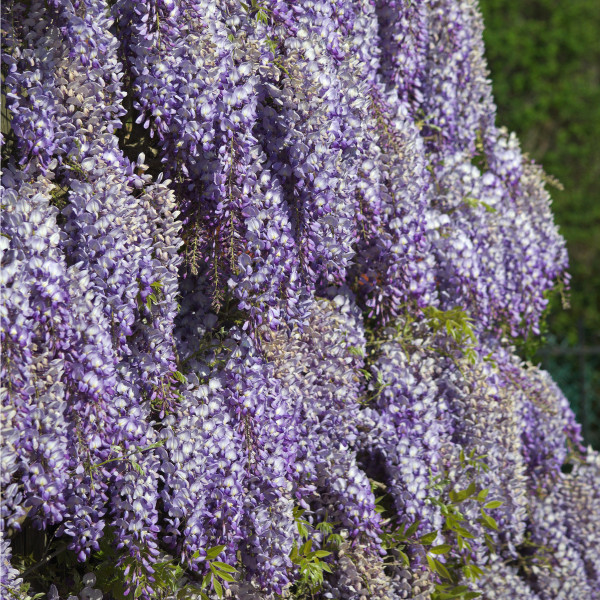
<point>264,267</point>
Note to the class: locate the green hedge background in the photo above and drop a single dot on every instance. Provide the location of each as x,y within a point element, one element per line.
<point>544,58</point>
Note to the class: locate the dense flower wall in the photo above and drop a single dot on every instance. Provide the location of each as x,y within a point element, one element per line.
<point>264,267</point>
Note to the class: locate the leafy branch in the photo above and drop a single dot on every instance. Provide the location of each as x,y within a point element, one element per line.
<point>453,542</point>
<point>310,566</point>
<point>218,572</point>
<point>458,325</point>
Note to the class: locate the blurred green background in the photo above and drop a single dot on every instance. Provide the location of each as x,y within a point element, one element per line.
<point>544,58</point>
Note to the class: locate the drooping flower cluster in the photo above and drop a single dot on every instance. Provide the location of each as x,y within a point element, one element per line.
<point>261,263</point>
<point>408,425</point>
<point>318,366</point>
<point>237,223</point>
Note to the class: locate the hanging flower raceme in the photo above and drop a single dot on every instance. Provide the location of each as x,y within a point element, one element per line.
<point>112,269</point>
<point>35,302</point>
<point>30,100</point>
<point>457,103</point>
<point>308,128</point>
<point>70,378</point>
<point>404,34</point>
<point>236,218</point>
<point>394,262</point>
<point>317,366</point>
<point>407,424</point>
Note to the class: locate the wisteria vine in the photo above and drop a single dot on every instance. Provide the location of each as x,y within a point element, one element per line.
<point>264,267</point>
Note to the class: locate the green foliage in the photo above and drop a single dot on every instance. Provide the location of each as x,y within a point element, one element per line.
<point>153,298</point>
<point>528,346</point>
<point>51,562</point>
<point>310,565</point>
<point>59,197</point>
<point>311,569</point>
<point>448,552</point>
<point>544,57</point>
<point>454,323</point>
<point>532,557</point>
<point>218,572</point>
<point>43,560</point>
<point>257,10</point>
<point>475,203</point>
<point>170,576</point>
<point>458,325</point>
<point>214,347</point>
<point>25,592</point>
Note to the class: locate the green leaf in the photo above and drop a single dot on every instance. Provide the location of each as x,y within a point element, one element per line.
<point>462,495</point>
<point>152,299</point>
<point>305,549</point>
<point>472,571</point>
<point>464,532</point>
<point>298,512</point>
<point>447,592</point>
<point>441,569</point>
<point>404,558</point>
<point>428,538</point>
<point>218,588</point>
<point>294,553</point>
<point>459,589</point>
<point>214,552</point>
<point>482,495</point>
<point>476,571</point>
<point>302,530</point>
<point>488,521</point>
<point>455,526</point>
<point>204,596</point>
<point>451,522</point>
<point>325,527</point>
<point>441,549</point>
<point>224,576</point>
<point>493,504</point>
<point>179,376</point>
<point>224,567</point>
<point>321,553</point>
<point>462,543</point>
<point>137,467</point>
<point>412,529</point>
<point>431,563</point>
<point>326,567</point>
